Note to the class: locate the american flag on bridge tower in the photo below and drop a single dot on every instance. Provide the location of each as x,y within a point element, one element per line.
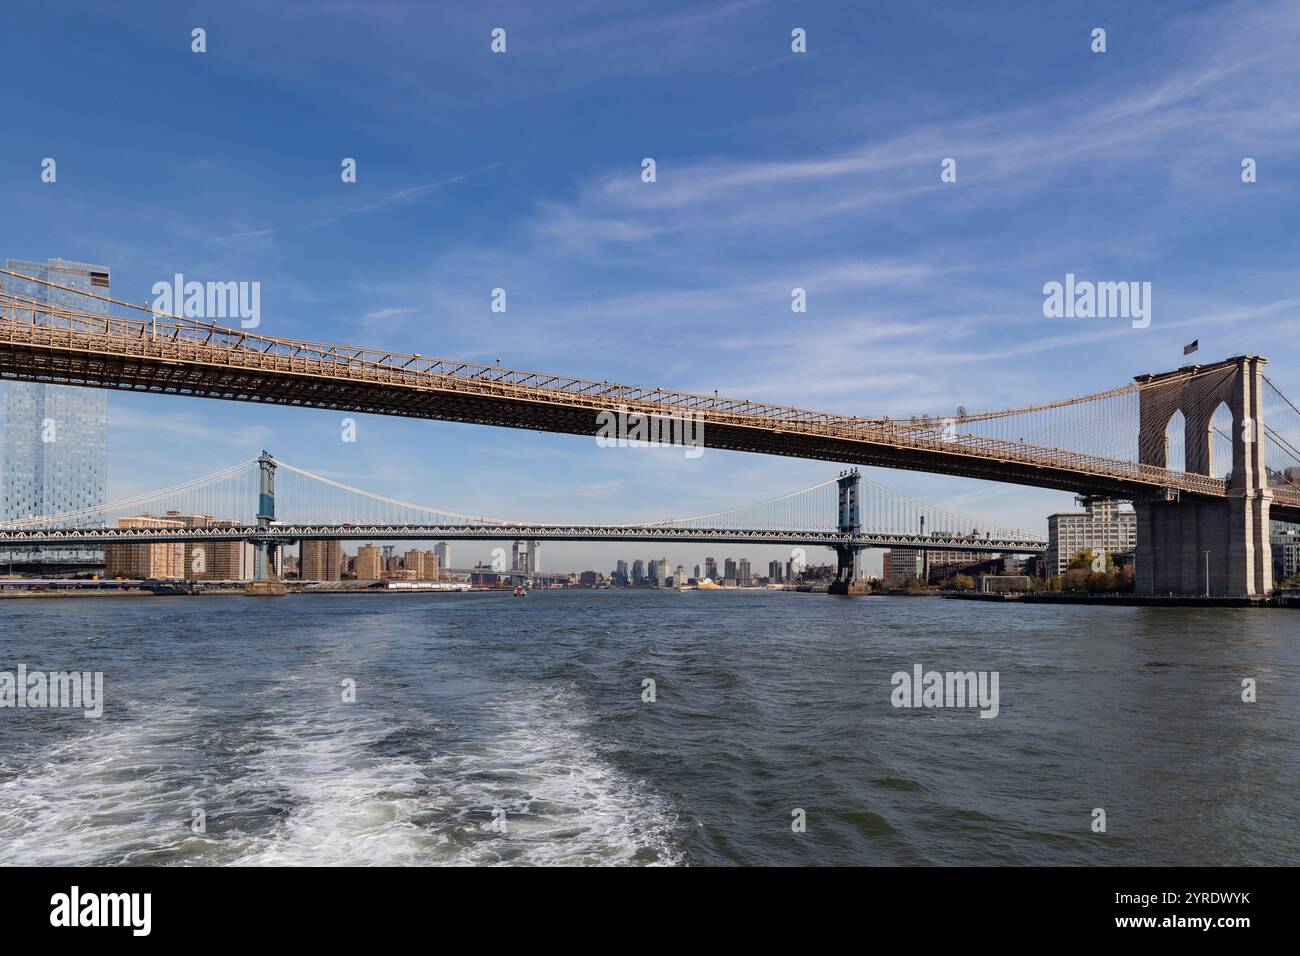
<point>1189,349</point>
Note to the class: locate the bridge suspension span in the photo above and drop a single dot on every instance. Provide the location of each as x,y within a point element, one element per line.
<point>228,500</point>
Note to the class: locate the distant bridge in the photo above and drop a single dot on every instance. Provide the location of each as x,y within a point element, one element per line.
<point>288,534</point>
<point>247,502</point>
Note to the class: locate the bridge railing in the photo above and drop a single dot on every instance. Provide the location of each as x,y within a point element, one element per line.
<point>935,440</point>
<point>167,337</point>
<point>1288,497</point>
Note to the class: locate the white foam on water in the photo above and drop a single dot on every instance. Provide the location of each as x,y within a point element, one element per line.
<point>562,804</point>
<point>322,786</point>
<point>107,791</point>
<point>348,805</point>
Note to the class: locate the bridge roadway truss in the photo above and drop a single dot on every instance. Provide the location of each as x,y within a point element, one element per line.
<point>285,534</point>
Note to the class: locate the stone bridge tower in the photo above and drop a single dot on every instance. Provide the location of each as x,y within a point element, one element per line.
<point>1188,544</point>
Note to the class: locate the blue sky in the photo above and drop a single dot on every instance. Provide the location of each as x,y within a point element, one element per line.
<point>775,170</point>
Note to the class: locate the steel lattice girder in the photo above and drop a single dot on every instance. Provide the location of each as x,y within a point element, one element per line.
<point>285,534</point>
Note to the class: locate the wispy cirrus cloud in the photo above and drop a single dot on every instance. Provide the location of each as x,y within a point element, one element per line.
<point>390,312</point>
<point>414,194</point>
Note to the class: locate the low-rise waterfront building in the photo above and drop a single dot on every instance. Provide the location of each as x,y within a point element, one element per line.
<point>1102,526</point>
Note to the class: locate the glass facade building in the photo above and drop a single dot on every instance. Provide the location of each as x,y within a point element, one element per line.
<point>53,438</point>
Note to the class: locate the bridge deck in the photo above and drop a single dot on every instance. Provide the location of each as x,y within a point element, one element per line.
<point>187,358</point>
<point>284,534</point>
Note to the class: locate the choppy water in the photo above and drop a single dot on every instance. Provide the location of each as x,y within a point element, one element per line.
<point>766,702</point>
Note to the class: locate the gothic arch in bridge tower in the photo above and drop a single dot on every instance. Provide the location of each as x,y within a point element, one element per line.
<point>1191,545</point>
<point>1222,426</point>
<point>1175,454</point>
<point>1201,445</point>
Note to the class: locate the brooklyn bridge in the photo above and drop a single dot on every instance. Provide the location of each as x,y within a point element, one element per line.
<point>1204,498</point>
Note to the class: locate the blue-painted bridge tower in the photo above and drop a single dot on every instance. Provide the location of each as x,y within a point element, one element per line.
<point>850,522</point>
<point>264,557</point>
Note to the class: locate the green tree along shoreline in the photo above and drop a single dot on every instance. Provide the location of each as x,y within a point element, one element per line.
<point>1088,571</point>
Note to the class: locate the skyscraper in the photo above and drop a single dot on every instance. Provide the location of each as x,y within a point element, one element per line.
<point>232,560</point>
<point>321,559</point>
<point>193,561</point>
<point>54,438</point>
<point>526,557</point>
<point>420,565</point>
<point>369,563</point>
<point>161,561</point>
<point>443,550</point>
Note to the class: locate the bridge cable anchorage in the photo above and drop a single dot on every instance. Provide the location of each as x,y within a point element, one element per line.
<point>1094,441</point>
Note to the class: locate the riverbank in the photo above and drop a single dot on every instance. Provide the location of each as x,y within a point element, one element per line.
<point>1125,600</point>
<point>12,594</point>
